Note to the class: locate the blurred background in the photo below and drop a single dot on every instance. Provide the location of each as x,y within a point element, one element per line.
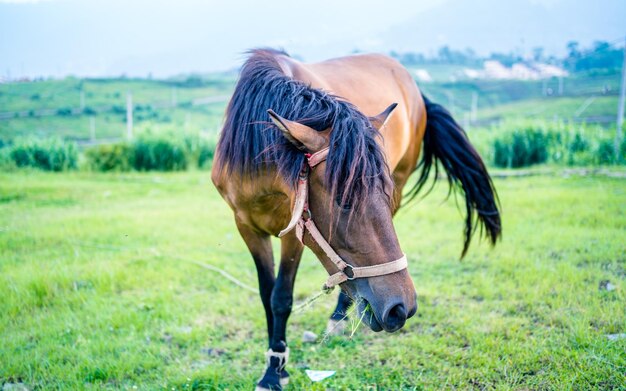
<point>99,72</point>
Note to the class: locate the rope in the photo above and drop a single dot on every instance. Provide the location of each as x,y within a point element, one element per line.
<point>298,309</point>
<point>212,268</point>
<point>215,269</point>
<point>308,302</point>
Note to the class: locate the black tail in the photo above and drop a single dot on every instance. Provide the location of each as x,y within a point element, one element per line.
<point>445,142</point>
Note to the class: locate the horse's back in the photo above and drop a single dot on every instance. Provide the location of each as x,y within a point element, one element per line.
<point>372,82</point>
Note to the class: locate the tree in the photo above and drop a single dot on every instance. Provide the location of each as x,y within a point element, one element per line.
<point>601,55</point>
<point>572,49</point>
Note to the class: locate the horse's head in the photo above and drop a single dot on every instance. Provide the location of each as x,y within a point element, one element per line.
<point>353,212</point>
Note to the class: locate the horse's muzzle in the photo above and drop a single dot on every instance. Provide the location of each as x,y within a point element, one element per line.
<point>394,317</point>
<point>391,318</point>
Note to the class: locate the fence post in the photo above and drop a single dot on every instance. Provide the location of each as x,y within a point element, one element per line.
<point>174,97</point>
<point>450,102</point>
<point>129,115</point>
<point>620,108</point>
<point>474,115</point>
<point>92,128</point>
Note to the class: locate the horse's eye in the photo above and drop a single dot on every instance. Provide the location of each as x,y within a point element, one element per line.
<point>344,206</point>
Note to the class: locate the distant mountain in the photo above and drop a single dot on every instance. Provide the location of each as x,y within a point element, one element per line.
<point>511,25</point>
<point>163,38</point>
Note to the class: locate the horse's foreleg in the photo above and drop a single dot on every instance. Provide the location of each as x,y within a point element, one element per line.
<point>260,247</point>
<point>282,295</point>
<point>282,299</point>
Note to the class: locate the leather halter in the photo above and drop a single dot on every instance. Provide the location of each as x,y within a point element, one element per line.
<point>302,221</point>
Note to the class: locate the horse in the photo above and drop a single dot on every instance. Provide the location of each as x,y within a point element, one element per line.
<point>303,156</point>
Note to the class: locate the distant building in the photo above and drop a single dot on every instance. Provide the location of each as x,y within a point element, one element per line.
<point>518,71</point>
<point>495,70</point>
<point>472,73</point>
<point>522,71</point>
<point>547,70</point>
<point>423,75</point>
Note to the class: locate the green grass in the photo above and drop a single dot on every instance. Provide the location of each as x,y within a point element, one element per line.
<point>97,292</point>
<point>152,101</point>
<point>511,99</point>
<point>548,108</point>
<point>207,118</point>
<point>55,94</point>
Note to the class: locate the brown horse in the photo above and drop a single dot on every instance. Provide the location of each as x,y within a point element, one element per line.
<point>297,146</point>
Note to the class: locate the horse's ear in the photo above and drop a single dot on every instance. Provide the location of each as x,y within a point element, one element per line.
<point>378,121</point>
<point>302,136</point>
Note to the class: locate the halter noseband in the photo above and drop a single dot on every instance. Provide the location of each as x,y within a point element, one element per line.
<point>301,222</point>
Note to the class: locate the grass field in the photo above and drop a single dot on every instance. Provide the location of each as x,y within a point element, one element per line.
<point>207,119</point>
<point>559,107</point>
<point>98,290</point>
<point>53,107</point>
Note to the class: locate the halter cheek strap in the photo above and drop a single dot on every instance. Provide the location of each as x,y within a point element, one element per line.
<point>301,224</point>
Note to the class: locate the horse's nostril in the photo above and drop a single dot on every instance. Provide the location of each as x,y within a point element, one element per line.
<point>395,317</point>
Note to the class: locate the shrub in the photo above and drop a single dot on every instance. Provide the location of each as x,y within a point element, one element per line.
<point>48,155</point>
<point>153,152</point>
<point>89,111</point>
<point>583,145</point>
<point>110,157</point>
<point>118,109</point>
<point>206,150</point>
<point>168,151</point>
<point>6,163</point>
<point>521,148</point>
<point>199,149</point>
<point>606,152</point>
<point>516,146</point>
<point>64,111</point>
<point>146,115</point>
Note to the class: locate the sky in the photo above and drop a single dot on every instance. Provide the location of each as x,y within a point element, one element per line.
<point>163,38</point>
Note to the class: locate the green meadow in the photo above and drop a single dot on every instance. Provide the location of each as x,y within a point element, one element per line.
<point>108,281</point>
<point>65,108</point>
<point>69,108</point>
<point>118,280</point>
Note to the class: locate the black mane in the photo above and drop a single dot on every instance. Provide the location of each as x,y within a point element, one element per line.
<point>250,143</point>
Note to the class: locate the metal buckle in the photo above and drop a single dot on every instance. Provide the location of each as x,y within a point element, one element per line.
<point>350,275</point>
<point>306,213</point>
<point>304,173</point>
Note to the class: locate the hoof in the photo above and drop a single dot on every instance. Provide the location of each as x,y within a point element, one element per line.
<point>336,328</point>
<point>265,383</point>
<point>275,377</point>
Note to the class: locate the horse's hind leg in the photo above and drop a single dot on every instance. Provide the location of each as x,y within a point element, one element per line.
<point>281,300</point>
<point>338,320</point>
